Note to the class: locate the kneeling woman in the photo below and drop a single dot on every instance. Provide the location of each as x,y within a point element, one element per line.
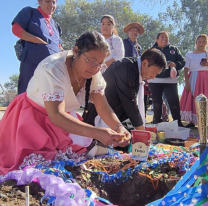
<point>43,119</point>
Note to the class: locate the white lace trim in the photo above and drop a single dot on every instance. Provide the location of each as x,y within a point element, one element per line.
<point>53,97</point>
<point>101,90</point>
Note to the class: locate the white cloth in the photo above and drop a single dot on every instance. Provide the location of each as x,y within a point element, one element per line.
<point>116,47</point>
<point>170,126</point>
<point>99,122</point>
<point>193,63</point>
<point>140,97</point>
<point>51,82</point>
<point>167,80</point>
<point>77,139</point>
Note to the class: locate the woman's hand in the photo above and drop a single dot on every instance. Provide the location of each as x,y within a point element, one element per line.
<point>109,137</point>
<point>171,64</point>
<point>188,86</point>
<point>126,134</point>
<point>38,40</point>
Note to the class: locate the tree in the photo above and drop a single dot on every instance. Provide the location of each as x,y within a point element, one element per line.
<point>11,90</point>
<point>12,85</point>
<point>153,3</point>
<point>189,19</point>
<point>77,16</point>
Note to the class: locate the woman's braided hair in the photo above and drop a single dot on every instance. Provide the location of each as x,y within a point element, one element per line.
<point>91,41</point>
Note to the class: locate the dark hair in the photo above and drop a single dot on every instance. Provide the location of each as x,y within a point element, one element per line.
<point>112,20</point>
<point>154,57</point>
<point>202,36</point>
<point>91,40</point>
<point>162,32</point>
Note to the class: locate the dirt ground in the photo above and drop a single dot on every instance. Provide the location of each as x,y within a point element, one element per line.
<point>137,191</point>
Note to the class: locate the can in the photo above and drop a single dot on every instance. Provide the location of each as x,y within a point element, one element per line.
<point>161,136</point>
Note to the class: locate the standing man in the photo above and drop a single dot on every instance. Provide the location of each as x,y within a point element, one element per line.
<point>132,48</point>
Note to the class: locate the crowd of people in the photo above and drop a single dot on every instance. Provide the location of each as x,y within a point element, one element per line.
<point>102,72</point>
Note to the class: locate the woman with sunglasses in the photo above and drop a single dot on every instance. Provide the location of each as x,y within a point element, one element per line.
<point>43,121</point>
<point>41,35</point>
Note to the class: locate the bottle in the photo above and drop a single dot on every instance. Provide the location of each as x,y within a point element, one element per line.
<point>173,72</point>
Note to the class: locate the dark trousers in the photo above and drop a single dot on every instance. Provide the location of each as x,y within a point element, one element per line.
<point>171,93</point>
<point>26,72</point>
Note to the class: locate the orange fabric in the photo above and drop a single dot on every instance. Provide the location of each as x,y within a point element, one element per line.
<point>17,29</point>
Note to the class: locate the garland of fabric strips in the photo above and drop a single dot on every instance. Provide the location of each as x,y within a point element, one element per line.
<point>184,194</point>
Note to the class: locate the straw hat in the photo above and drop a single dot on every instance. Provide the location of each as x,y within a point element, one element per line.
<point>134,25</point>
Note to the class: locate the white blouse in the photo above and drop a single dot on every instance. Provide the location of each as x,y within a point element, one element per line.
<point>116,47</point>
<point>193,61</point>
<point>51,82</point>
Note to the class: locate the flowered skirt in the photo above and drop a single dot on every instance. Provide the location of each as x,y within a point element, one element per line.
<point>199,85</point>
<point>25,129</point>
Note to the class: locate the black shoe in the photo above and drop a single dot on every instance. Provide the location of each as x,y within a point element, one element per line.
<point>190,125</point>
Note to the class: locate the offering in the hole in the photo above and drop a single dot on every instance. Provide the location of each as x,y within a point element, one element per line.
<point>140,144</point>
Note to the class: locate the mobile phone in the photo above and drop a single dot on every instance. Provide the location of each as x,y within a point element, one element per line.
<point>203,61</point>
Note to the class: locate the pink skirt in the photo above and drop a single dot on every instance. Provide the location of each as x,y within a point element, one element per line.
<point>25,129</point>
<point>187,105</point>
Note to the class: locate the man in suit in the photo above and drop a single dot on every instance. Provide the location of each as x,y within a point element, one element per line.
<point>131,46</point>
<point>124,86</point>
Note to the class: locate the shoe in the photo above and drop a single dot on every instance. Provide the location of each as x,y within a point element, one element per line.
<point>190,125</point>
<point>181,125</point>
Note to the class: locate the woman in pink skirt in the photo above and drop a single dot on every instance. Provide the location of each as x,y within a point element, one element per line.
<point>43,120</point>
<point>196,80</point>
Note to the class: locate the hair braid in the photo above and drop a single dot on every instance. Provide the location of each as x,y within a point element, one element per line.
<point>87,94</point>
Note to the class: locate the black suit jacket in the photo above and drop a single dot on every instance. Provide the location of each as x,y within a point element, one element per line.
<point>122,79</point>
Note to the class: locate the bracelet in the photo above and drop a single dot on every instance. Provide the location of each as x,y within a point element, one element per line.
<point>119,125</point>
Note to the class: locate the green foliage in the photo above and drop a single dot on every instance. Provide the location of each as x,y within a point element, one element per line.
<point>77,16</point>
<point>12,84</point>
<point>189,18</point>
<point>11,90</point>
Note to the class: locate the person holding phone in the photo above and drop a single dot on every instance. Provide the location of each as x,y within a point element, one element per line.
<point>196,78</point>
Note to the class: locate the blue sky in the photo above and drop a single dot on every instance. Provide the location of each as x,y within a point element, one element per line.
<point>9,63</point>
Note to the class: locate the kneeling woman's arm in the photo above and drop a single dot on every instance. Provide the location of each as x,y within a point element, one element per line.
<point>58,116</point>
<point>108,115</point>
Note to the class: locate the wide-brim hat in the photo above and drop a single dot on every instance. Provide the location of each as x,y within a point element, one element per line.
<point>134,25</point>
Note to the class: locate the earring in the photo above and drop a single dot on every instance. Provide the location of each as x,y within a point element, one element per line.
<point>73,57</point>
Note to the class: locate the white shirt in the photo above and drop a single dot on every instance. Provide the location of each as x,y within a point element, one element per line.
<point>51,82</point>
<point>116,47</point>
<point>193,61</point>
